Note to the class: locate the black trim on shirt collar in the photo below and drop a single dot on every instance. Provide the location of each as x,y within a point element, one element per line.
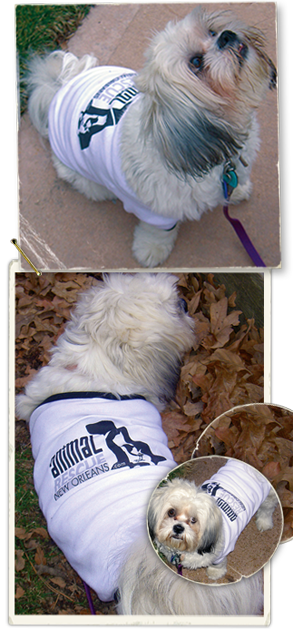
<point>88,395</point>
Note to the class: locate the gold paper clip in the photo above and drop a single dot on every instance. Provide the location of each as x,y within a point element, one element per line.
<point>14,242</point>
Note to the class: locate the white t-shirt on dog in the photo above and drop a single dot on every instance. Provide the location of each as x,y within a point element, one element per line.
<point>84,132</point>
<point>238,490</point>
<point>97,462</point>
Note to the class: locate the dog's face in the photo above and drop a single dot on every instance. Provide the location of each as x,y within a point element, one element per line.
<point>183,518</point>
<point>227,59</point>
<point>179,527</point>
<point>205,75</point>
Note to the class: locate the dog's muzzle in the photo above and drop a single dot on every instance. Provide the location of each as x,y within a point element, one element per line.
<point>178,529</point>
<point>226,39</point>
<point>229,39</point>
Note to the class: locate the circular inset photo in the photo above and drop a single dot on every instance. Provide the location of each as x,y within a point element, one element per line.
<point>215,520</point>
<point>261,435</point>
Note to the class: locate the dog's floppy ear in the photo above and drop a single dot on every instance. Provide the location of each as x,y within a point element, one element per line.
<point>192,141</point>
<point>190,137</point>
<point>211,533</point>
<point>155,507</point>
<point>152,522</point>
<point>208,542</point>
<point>151,528</point>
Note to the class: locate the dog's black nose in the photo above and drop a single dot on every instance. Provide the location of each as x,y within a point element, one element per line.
<point>227,38</point>
<point>178,528</point>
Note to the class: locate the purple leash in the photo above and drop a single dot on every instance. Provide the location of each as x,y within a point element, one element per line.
<point>89,598</point>
<point>230,182</point>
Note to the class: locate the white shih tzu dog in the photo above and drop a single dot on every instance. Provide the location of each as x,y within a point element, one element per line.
<point>159,140</point>
<point>100,450</point>
<point>197,527</point>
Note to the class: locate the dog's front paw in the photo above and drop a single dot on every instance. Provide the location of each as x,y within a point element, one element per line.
<point>217,571</point>
<point>152,246</point>
<point>264,515</point>
<point>264,522</point>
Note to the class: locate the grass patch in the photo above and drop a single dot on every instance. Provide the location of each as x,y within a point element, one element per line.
<point>41,28</point>
<point>26,501</point>
<point>44,582</point>
<point>30,590</point>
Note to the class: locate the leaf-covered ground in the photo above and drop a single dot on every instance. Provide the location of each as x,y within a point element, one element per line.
<point>261,435</point>
<point>224,369</point>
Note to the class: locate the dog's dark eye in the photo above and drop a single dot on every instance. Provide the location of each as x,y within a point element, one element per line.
<point>212,33</point>
<point>171,513</point>
<point>193,520</point>
<point>196,62</point>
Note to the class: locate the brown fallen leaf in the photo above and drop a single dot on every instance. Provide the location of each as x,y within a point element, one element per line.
<point>20,533</point>
<point>226,435</point>
<point>191,409</point>
<point>194,303</point>
<point>41,531</point>
<point>222,323</point>
<point>58,581</point>
<point>285,475</point>
<point>272,469</point>
<point>19,592</point>
<point>285,496</point>
<point>31,544</point>
<point>40,556</point>
<point>66,290</point>
<point>19,561</point>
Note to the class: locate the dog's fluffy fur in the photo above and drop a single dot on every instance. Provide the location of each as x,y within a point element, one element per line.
<point>203,79</point>
<point>128,336</point>
<point>186,522</point>
<point>148,587</point>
